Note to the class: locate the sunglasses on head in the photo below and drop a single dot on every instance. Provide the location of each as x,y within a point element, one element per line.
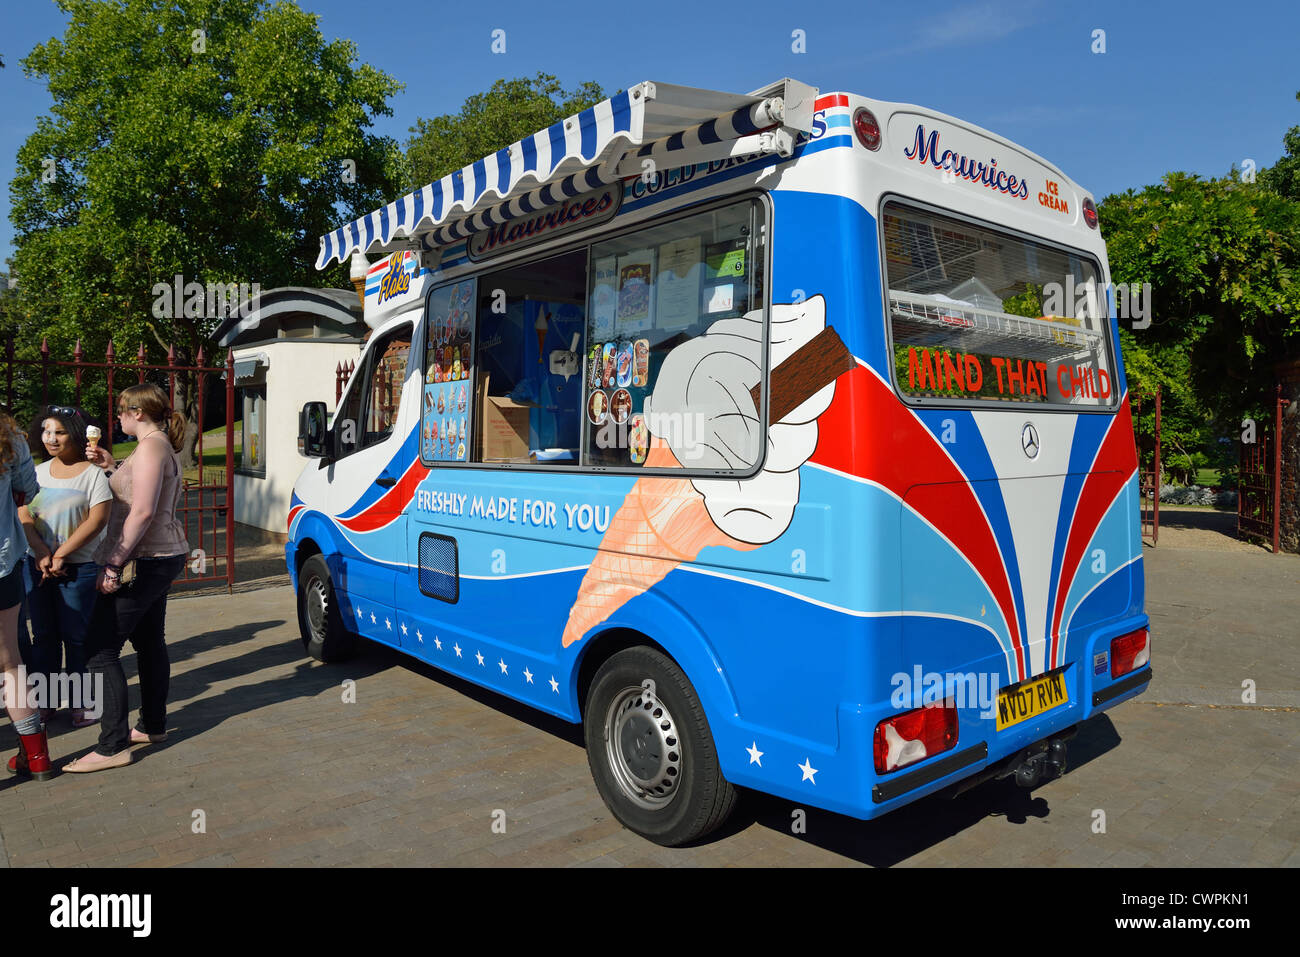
<point>60,410</point>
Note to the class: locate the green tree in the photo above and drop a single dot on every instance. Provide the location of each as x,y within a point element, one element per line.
<point>490,121</point>
<point>211,139</point>
<point>1283,177</point>
<point>1223,260</point>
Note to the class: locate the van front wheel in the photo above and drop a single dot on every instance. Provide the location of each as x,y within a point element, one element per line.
<point>324,635</point>
<point>650,749</point>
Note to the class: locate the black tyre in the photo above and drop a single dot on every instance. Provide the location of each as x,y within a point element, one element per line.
<point>650,749</point>
<point>320,623</point>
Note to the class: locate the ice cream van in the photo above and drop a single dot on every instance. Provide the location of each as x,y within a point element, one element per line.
<point>781,440</point>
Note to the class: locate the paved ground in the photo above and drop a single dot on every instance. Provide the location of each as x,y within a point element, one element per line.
<point>267,766</point>
<point>1190,527</point>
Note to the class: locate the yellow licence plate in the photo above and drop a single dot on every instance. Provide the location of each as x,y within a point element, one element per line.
<point>1029,699</point>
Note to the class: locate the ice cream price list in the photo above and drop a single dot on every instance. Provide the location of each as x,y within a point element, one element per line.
<point>448,402</point>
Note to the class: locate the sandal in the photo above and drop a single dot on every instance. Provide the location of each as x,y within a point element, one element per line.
<point>79,719</point>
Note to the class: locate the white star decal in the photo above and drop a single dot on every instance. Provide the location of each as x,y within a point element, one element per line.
<point>479,656</point>
<point>438,644</point>
<point>755,755</point>
<point>372,619</point>
<point>502,663</point>
<point>457,647</point>
<point>555,685</point>
<point>528,675</point>
<point>419,636</point>
<point>358,612</point>
<point>808,770</point>
<point>389,623</point>
<point>403,627</point>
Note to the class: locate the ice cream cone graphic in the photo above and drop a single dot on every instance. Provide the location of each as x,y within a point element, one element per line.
<point>665,521</point>
<point>661,523</point>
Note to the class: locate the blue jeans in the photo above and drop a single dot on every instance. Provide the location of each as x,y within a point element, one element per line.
<point>59,611</point>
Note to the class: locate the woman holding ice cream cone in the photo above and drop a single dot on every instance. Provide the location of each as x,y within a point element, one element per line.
<point>64,524</point>
<point>142,553</point>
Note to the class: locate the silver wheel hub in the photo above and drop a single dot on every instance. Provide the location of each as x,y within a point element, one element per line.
<point>643,748</point>
<point>317,605</point>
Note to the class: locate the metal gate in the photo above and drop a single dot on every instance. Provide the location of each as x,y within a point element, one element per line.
<point>1146,433</point>
<point>1259,480</point>
<point>207,503</point>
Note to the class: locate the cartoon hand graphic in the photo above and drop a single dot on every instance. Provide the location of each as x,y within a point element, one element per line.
<point>704,414</point>
<point>704,409</point>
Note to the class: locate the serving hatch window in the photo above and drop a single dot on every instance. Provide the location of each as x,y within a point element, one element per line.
<point>693,284</point>
<point>982,315</point>
<point>554,362</point>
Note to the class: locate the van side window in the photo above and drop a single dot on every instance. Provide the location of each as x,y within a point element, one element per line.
<point>554,362</point>
<point>385,391</point>
<point>694,287</point>
<point>369,409</point>
<point>529,362</point>
<point>347,420</point>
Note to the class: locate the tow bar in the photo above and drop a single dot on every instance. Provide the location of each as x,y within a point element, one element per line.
<point>1043,761</point>
<point>1040,761</point>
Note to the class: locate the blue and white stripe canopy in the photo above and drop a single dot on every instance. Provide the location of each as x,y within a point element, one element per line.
<point>669,124</point>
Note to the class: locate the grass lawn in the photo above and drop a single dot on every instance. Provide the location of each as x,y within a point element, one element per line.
<point>1208,478</point>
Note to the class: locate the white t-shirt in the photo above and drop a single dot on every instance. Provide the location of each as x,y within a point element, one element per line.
<point>62,505</point>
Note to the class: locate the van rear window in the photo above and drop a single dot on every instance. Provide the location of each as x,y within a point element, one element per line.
<point>980,315</point>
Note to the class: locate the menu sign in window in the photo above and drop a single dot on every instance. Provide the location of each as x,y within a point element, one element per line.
<point>448,395</point>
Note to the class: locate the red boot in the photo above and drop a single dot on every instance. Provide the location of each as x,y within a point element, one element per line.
<point>33,757</point>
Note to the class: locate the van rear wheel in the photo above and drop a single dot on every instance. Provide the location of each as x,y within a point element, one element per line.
<point>320,623</point>
<point>650,749</point>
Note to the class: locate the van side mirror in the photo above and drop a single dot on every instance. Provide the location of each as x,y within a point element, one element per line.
<point>313,434</point>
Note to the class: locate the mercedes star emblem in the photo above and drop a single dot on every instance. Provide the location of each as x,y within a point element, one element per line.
<point>1029,440</point>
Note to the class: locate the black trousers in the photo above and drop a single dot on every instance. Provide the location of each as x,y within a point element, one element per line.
<point>135,613</point>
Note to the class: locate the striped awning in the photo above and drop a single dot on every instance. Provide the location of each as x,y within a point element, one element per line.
<point>657,122</point>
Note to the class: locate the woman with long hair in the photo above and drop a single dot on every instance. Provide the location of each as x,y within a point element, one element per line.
<point>64,525</point>
<point>17,486</point>
<point>142,553</point>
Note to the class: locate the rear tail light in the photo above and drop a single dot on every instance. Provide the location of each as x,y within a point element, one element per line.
<point>1089,212</point>
<point>914,735</point>
<point>866,127</point>
<point>1130,652</point>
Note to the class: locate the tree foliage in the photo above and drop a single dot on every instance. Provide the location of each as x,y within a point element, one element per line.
<point>490,121</point>
<point>1283,177</point>
<point>201,138</point>
<point>1223,260</point>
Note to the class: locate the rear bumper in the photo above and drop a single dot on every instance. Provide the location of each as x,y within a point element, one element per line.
<point>853,787</point>
<point>981,747</point>
<point>1119,691</point>
<point>976,759</point>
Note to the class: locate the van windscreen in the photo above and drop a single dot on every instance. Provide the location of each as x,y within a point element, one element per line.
<point>977,314</point>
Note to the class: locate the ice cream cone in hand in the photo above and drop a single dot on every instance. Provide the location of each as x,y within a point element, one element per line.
<point>661,523</point>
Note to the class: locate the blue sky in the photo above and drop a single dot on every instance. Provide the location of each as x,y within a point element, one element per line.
<point>1194,86</point>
